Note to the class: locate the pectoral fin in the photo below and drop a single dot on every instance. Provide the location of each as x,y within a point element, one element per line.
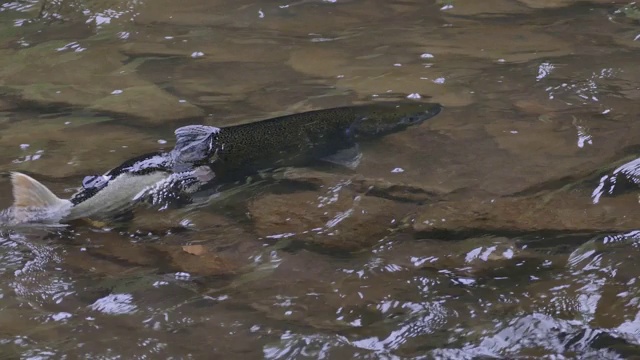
<point>349,157</point>
<point>29,193</point>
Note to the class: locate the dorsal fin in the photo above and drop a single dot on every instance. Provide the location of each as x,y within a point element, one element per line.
<point>28,192</point>
<point>194,143</point>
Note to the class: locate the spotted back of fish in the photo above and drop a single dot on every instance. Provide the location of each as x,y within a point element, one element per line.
<point>296,139</point>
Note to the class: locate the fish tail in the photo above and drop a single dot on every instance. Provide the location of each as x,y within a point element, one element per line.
<point>30,193</point>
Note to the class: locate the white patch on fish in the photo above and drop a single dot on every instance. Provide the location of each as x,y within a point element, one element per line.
<point>118,194</point>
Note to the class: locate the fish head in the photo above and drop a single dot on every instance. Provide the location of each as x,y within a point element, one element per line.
<point>385,118</point>
<point>195,144</point>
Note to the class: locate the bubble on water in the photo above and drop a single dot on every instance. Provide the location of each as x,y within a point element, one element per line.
<point>60,316</point>
<point>116,92</point>
<point>197,54</point>
<point>162,141</point>
<point>75,46</point>
<point>182,275</point>
<point>397,170</point>
<point>414,96</point>
<point>24,146</point>
<point>160,283</point>
<point>426,56</point>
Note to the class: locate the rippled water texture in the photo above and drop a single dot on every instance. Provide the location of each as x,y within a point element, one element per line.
<point>508,226</point>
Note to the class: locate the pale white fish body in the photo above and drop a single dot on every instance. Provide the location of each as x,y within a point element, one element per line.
<point>35,203</point>
<point>122,187</point>
<point>120,193</point>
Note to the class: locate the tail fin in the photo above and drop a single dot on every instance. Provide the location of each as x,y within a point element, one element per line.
<point>29,193</point>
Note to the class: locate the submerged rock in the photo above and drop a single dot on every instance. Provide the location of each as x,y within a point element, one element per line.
<point>377,187</point>
<point>62,73</point>
<point>148,102</point>
<point>559,212</point>
<point>474,256</point>
<point>338,218</point>
<point>490,7</point>
<point>109,253</point>
<point>544,4</point>
<point>70,146</point>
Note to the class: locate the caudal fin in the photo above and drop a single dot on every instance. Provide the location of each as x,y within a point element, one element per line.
<point>29,193</point>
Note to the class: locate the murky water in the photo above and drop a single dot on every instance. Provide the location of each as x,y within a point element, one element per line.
<point>500,228</point>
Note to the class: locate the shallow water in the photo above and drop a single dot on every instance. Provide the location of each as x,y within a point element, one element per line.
<point>488,232</point>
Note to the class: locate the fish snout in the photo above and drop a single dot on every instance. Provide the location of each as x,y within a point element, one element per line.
<point>425,112</point>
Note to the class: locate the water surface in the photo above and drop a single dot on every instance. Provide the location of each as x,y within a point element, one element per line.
<point>489,231</point>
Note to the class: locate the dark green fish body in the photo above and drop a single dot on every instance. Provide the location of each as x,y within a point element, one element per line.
<point>297,139</point>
